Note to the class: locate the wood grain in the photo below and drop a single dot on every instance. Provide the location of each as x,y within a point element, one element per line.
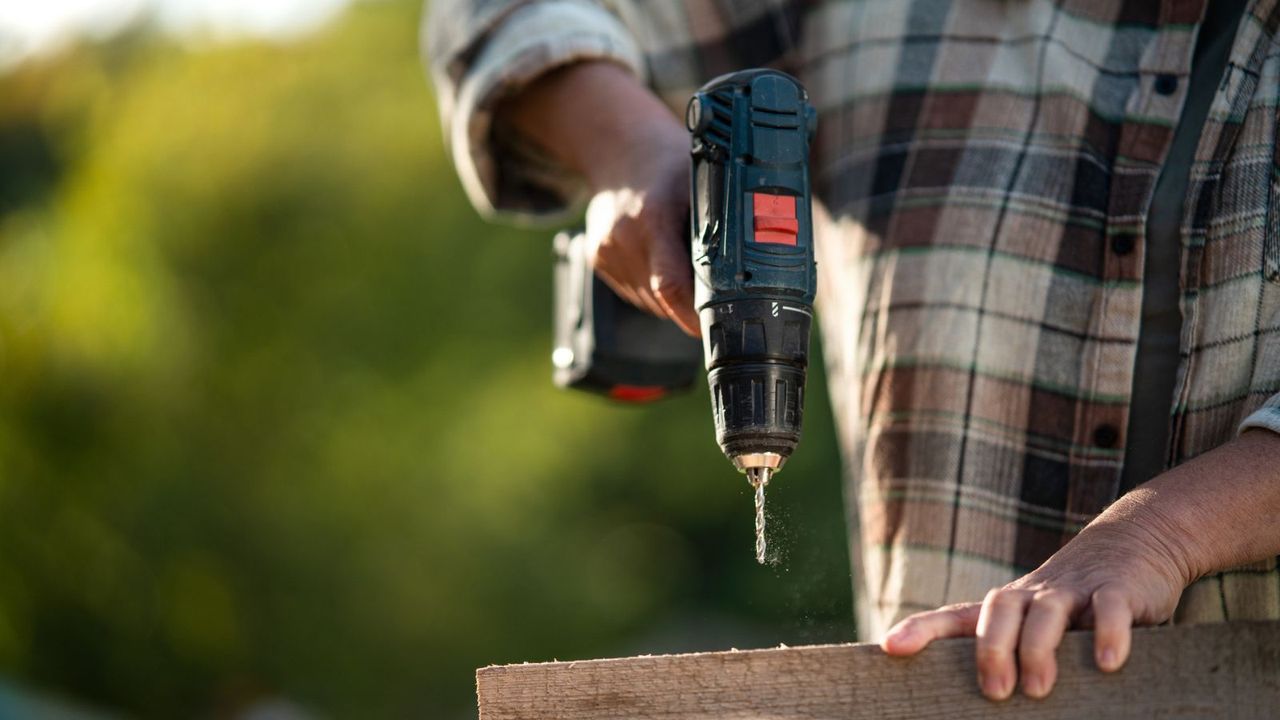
<point>1229,670</point>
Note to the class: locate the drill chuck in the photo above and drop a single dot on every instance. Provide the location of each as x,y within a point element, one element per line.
<point>756,371</point>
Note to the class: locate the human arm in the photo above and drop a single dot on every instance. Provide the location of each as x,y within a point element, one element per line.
<point>597,119</point>
<point>1129,566</point>
<point>482,53</point>
<point>545,106</point>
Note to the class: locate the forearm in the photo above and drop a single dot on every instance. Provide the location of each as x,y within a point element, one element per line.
<point>1218,511</point>
<point>622,116</point>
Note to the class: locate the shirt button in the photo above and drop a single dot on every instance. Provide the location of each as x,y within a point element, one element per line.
<point>1122,244</point>
<point>1166,84</point>
<point>1105,436</point>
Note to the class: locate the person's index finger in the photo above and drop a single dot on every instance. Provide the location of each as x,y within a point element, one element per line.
<point>677,302</point>
<point>916,632</point>
<point>671,280</point>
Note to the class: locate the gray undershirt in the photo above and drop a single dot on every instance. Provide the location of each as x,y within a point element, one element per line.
<point>1156,366</point>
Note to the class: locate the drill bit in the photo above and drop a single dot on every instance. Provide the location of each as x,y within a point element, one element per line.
<point>759,477</point>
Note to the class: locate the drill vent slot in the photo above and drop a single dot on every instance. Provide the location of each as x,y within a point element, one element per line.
<point>721,105</point>
<point>753,338</point>
<point>717,348</point>
<point>775,119</point>
<point>791,340</point>
<point>757,403</point>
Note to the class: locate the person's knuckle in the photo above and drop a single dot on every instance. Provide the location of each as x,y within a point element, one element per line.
<point>606,247</point>
<point>994,645</point>
<point>959,610</point>
<point>991,657</point>
<point>1037,640</point>
<point>1107,595</point>
<point>913,623</point>
<point>930,618</point>
<point>1107,636</point>
<point>649,215</point>
<point>1041,633</point>
<point>1035,657</point>
<point>625,228</point>
<point>666,287</point>
<point>1004,598</point>
<point>1055,598</point>
<point>938,617</point>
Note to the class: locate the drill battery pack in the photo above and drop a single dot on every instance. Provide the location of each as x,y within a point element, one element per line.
<point>605,345</point>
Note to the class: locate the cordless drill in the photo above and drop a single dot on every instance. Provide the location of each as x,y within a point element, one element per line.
<point>754,275</point>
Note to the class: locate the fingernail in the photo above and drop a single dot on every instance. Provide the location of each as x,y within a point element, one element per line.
<point>1033,686</point>
<point>1108,659</point>
<point>992,686</point>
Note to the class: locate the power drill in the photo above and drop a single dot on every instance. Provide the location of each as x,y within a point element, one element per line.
<point>754,275</point>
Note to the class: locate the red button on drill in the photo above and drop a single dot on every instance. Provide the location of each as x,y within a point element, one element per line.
<point>775,218</point>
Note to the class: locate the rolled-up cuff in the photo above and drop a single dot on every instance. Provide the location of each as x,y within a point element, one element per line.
<point>504,178</point>
<point>1266,417</point>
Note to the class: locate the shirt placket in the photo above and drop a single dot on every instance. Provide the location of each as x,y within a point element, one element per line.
<point>1145,137</point>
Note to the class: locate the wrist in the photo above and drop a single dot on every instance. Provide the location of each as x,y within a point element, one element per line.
<point>624,132</point>
<point>1145,532</point>
<point>641,148</point>
<point>1218,511</point>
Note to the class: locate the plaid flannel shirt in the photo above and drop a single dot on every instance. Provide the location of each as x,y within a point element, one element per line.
<point>982,172</point>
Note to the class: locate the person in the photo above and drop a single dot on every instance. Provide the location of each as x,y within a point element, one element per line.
<point>1048,240</point>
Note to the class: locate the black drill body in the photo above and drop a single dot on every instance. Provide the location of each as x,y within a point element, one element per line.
<point>754,275</point>
<point>753,260</point>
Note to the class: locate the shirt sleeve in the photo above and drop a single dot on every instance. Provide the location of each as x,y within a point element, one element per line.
<point>1266,417</point>
<point>483,51</point>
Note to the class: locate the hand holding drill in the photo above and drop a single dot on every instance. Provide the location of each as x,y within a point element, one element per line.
<point>634,155</point>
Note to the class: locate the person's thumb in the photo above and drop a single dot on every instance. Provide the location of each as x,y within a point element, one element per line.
<point>671,279</point>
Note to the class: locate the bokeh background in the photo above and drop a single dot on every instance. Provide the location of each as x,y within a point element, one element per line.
<point>277,431</point>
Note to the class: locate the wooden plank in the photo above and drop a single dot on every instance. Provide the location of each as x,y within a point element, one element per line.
<point>1229,670</point>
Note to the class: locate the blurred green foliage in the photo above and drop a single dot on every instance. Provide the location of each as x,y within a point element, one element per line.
<point>275,409</point>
